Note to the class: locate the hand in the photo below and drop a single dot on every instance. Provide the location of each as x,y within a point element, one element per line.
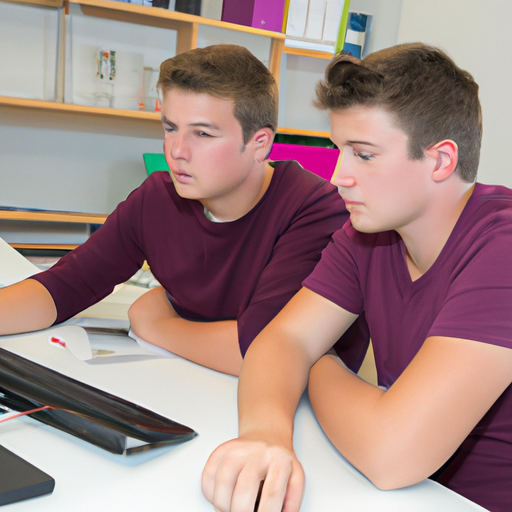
<point>245,475</point>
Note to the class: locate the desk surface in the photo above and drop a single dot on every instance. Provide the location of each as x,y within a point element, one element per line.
<point>89,478</point>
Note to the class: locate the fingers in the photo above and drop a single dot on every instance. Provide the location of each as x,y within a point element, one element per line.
<point>234,473</point>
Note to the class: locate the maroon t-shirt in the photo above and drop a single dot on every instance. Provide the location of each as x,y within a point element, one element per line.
<point>466,294</point>
<point>245,270</point>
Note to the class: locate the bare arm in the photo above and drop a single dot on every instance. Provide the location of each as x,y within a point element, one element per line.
<point>211,344</point>
<point>26,306</point>
<point>273,377</point>
<point>393,436</point>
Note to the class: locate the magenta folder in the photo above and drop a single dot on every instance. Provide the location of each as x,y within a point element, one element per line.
<point>264,14</point>
<point>321,161</point>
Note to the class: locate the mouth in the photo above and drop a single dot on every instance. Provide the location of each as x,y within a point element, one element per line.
<point>352,203</point>
<point>181,176</point>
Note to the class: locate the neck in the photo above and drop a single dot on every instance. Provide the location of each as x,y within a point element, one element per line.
<point>245,198</point>
<point>425,240</point>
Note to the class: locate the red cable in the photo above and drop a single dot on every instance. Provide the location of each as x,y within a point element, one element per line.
<point>24,413</point>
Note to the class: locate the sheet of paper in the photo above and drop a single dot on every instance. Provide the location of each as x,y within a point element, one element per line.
<point>13,266</point>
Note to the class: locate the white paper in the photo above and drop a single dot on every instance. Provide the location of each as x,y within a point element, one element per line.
<point>150,347</point>
<point>297,15</point>
<point>315,21</point>
<point>332,19</point>
<point>13,266</point>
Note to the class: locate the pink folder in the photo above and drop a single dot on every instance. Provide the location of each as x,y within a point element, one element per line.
<point>321,161</point>
<point>264,14</point>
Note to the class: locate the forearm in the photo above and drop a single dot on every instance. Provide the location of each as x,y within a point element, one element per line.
<point>26,306</point>
<point>267,400</point>
<point>347,409</point>
<point>211,344</point>
<point>401,436</point>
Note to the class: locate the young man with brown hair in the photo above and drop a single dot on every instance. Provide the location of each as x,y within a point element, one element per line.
<point>425,257</point>
<point>228,236</point>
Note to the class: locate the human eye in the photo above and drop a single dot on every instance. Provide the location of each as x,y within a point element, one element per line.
<point>169,128</point>
<point>202,133</point>
<point>363,155</point>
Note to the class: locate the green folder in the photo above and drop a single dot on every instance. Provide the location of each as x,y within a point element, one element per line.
<point>155,162</point>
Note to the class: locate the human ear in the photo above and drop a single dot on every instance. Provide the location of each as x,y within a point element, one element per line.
<point>446,157</point>
<point>262,143</point>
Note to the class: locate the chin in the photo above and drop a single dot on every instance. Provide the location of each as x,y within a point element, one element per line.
<point>365,228</point>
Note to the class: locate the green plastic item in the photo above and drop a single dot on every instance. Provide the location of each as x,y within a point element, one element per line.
<point>155,162</point>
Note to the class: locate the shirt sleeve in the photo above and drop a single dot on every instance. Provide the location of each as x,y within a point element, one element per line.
<point>294,256</point>
<point>110,256</point>
<point>336,275</point>
<point>477,306</point>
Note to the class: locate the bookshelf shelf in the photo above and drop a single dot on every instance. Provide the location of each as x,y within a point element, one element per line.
<point>27,217</point>
<point>127,122</point>
<point>303,52</point>
<point>48,216</point>
<point>44,247</point>
<point>308,133</point>
<point>42,3</point>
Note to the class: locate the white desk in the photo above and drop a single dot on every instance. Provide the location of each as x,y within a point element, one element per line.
<point>168,479</point>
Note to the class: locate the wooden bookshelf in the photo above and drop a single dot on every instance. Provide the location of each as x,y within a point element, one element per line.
<point>60,116</point>
<point>186,25</point>
<point>132,122</point>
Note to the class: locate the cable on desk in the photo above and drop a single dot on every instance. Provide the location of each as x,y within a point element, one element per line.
<point>18,414</point>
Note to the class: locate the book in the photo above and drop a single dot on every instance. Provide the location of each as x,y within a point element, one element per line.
<point>20,480</point>
<point>358,28</point>
<point>211,9</point>
<point>188,6</point>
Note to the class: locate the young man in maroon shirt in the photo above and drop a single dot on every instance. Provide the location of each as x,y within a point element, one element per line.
<point>227,235</point>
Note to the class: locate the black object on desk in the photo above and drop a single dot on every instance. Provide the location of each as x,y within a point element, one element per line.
<point>86,412</point>
<point>20,480</point>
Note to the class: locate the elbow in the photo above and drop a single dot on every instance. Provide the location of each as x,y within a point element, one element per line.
<point>392,472</point>
<point>134,315</point>
<point>390,482</point>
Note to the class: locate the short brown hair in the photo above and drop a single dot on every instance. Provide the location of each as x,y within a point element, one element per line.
<point>230,72</point>
<point>431,98</point>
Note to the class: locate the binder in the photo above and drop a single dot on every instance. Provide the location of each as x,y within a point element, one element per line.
<point>20,480</point>
<point>264,14</point>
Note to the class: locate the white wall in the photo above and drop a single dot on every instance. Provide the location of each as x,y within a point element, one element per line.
<point>477,35</point>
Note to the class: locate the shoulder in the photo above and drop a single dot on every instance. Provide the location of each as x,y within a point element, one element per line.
<point>158,186</point>
<point>489,211</point>
<point>292,180</point>
<point>493,198</point>
<point>155,199</point>
<point>158,181</point>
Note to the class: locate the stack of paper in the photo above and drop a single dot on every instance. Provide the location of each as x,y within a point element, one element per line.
<point>315,21</point>
<point>13,266</point>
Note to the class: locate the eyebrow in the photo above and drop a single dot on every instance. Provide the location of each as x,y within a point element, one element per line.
<point>211,126</point>
<point>366,143</point>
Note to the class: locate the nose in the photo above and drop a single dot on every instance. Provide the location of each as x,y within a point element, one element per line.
<point>177,146</point>
<point>341,176</point>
